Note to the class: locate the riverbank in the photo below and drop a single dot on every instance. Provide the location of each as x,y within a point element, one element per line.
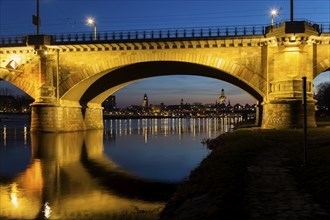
<point>256,173</point>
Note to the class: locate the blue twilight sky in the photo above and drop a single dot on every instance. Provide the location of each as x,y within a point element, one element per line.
<point>60,16</point>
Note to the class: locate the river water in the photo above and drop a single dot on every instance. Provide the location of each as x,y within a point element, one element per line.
<point>126,171</point>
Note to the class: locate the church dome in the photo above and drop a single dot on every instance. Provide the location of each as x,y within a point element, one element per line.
<point>222,99</point>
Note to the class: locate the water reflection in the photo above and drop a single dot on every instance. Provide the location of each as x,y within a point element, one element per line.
<point>168,126</point>
<point>125,171</point>
<point>163,149</point>
<point>69,177</point>
<point>4,136</point>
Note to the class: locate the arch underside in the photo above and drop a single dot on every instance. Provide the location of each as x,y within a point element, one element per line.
<point>120,77</point>
<point>322,66</point>
<point>23,84</point>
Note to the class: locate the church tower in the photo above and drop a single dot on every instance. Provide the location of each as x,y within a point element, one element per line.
<point>145,103</point>
<point>222,99</point>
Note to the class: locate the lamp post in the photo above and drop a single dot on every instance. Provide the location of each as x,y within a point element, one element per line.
<point>291,10</point>
<point>57,77</point>
<point>273,13</point>
<point>91,21</point>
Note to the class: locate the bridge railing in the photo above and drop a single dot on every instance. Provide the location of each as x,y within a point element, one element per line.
<point>161,34</point>
<point>321,27</point>
<point>140,35</point>
<point>324,27</point>
<point>16,40</point>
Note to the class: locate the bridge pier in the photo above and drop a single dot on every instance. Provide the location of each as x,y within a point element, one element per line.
<point>49,117</point>
<point>93,117</point>
<point>259,113</point>
<point>283,106</point>
<point>291,56</point>
<point>287,113</point>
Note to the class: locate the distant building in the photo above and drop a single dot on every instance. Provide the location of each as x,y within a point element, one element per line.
<point>222,99</point>
<point>238,107</point>
<point>156,108</point>
<point>109,104</point>
<point>8,103</point>
<point>228,104</point>
<point>247,106</point>
<point>145,103</point>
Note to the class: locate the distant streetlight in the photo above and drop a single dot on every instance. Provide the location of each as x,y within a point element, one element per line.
<point>91,21</point>
<point>273,12</point>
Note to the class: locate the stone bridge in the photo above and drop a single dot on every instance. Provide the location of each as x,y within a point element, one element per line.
<point>70,76</point>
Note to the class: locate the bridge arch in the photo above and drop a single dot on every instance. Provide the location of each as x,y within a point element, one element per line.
<point>26,85</point>
<point>121,77</point>
<point>96,82</point>
<point>322,66</point>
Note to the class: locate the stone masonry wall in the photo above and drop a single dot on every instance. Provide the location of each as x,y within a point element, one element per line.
<point>52,118</point>
<point>287,114</point>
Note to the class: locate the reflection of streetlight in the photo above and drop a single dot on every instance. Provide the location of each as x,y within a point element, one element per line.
<point>13,194</point>
<point>273,13</point>
<point>57,77</point>
<point>91,21</point>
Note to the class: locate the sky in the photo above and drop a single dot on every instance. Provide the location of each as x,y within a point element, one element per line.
<point>63,16</point>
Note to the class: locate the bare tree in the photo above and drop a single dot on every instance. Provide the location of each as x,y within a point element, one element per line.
<point>323,96</point>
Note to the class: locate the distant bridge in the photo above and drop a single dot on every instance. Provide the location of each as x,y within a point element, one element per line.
<point>69,76</point>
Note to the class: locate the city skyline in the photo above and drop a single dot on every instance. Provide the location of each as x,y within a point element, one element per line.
<point>58,16</point>
<point>152,99</point>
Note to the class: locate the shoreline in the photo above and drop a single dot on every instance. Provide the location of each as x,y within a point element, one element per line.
<point>255,173</point>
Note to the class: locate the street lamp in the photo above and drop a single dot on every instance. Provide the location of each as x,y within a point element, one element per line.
<point>91,21</point>
<point>273,12</point>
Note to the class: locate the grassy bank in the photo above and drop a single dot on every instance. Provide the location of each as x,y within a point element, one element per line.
<point>217,188</point>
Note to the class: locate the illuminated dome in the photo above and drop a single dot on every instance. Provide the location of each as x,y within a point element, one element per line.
<point>222,99</point>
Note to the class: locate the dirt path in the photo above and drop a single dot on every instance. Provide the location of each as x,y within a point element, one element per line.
<point>272,192</point>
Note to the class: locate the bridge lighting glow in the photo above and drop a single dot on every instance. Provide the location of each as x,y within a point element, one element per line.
<point>12,65</point>
<point>292,39</point>
<point>13,194</point>
<point>91,21</point>
<point>47,210</point>
<point>274,13</point>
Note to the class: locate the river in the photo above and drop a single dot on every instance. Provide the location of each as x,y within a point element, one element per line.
<point>126,171</point>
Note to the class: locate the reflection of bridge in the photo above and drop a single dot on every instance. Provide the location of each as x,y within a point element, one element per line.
<point>267,63</point>
<point>73,178</point>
